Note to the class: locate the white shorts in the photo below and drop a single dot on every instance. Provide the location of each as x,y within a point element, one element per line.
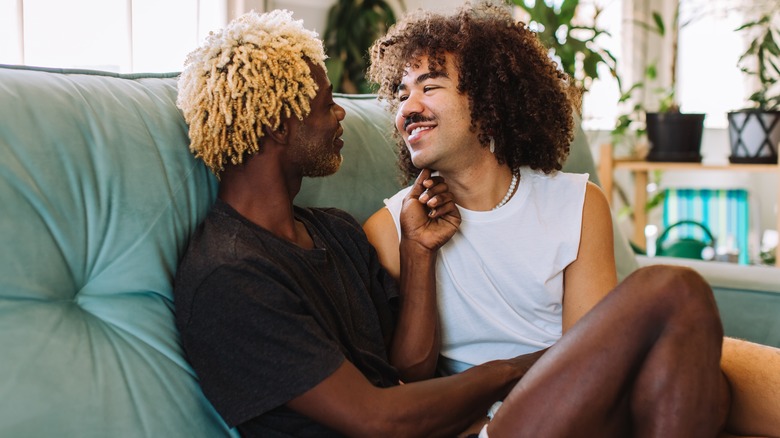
<point>491,412</point>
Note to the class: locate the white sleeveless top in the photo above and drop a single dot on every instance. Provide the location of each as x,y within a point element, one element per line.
<point>500,277</point>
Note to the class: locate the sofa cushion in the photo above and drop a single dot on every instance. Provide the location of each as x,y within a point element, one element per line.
<point>100,194</point>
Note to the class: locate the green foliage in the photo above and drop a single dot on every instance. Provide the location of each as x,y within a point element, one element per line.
<point>769,256</point>
<point>763,50</point>
<point>352,26</point>
<point>659,196</point>
<point>572,43</point>
<point>665,96</point>
<point>655,200</point>
<point>630,127</point>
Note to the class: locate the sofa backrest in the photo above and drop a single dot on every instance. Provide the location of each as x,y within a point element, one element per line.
<point>100,195</point>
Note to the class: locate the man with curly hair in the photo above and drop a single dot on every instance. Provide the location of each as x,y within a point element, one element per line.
<point>477,99</point>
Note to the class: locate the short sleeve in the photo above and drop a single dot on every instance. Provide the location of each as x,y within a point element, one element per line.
<point>394,204</point>
<point>255,343</point>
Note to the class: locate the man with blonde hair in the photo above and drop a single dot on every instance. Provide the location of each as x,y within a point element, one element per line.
<point>293,327</point>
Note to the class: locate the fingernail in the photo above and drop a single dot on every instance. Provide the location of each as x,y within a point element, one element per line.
<point>432,212</point>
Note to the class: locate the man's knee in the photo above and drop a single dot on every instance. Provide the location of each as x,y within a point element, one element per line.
<point>676,289</point>
<point>670,281</point>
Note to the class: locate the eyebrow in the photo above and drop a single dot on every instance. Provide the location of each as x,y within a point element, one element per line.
<point>422,78</point>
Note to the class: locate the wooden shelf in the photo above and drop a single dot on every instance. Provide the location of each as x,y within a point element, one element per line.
<point>640,170</point>
<point>640,165</point>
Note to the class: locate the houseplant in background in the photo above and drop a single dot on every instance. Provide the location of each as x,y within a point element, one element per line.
<point>755,132</point>
<point>352,26</point>
<point>672,135</point>
<point>571,37</point>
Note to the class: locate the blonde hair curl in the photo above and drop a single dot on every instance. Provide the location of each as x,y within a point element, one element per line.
<point>247,77</point>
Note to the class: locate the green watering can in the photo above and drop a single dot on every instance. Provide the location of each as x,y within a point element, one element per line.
<point>686,247</point>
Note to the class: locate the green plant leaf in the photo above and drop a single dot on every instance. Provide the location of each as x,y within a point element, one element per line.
<point>335,69</point>
<point>352,27</point>
<point>651,72</point>
<point>568,9</point>
<point>590,63</point>
<point>660,27</point>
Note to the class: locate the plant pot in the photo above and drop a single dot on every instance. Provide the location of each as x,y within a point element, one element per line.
<point>674,136</point>
<point>754,136</point>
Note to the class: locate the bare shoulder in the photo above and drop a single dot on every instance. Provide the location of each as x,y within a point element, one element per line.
<point>383,235</point>
<point>595,196</point>
<point>596,219</point>
<point>592,275</point>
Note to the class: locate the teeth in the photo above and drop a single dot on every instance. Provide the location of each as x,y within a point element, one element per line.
<point>419,128</point>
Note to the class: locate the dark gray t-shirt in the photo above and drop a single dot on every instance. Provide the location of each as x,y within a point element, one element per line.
<point>262,320</point>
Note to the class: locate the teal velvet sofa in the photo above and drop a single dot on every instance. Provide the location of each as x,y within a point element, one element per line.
<point>99,195</point>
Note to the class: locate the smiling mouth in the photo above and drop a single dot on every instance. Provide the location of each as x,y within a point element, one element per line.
<point>420,128</point>
<point>416,131</point>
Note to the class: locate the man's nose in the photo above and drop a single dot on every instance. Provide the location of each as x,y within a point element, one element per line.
<point>340,112</point>
<point>412,105</point>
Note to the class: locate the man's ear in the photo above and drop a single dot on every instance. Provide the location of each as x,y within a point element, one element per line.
<point>281,134</point>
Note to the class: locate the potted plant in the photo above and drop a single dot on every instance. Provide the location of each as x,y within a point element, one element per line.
<point>672,135</point>
<point>352,26</point>
<point>755,132</point>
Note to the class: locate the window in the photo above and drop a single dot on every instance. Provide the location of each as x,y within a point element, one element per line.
<point>708,78</point>
<point>115,35</point>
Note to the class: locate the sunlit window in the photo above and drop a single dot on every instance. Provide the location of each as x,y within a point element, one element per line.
<point>709,80</point>
<point>115,35</point>
<point>599,104</point>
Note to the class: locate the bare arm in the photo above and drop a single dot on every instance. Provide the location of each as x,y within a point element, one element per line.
<point>429,218</point>
<point>589,278</point>
<point>348,403</point>
<point>381,232</point>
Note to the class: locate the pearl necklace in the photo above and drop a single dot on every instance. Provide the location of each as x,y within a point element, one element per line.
<point>509,193</point>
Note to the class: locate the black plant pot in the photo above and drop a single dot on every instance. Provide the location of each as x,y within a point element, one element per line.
<point>754,136</point>
<point>674,136</point>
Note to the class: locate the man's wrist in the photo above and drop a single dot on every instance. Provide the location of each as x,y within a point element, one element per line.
<point>418,251</point>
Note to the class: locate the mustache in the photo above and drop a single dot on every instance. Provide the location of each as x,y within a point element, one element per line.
<point>415,118</point>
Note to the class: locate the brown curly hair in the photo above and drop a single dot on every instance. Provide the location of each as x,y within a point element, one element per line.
<point>516,93</point>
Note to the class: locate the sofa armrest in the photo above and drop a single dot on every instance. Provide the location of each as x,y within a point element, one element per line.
<point>748,297</point>
<point>726,275</point>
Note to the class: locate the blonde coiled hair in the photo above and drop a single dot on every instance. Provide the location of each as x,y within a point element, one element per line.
<point>244,78</point>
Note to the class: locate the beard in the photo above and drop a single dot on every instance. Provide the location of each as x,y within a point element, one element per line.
<point>317,158</point>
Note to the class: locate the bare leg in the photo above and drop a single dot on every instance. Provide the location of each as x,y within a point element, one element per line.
<point>643,362</point>
<point>753,372</point>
